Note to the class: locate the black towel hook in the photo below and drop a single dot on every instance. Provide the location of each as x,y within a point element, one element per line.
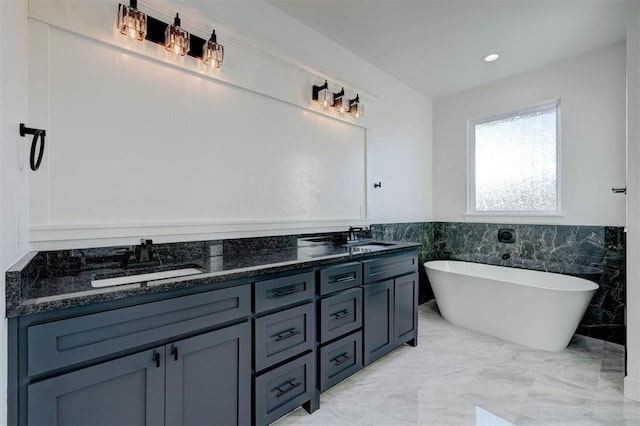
<point>37,133</point>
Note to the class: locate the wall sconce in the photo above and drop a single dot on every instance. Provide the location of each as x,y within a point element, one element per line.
<point>131,21</point>
<point>322,95</point>
<point>340,102</point>
<point>176,39</point>
<point>356,109</point>
<point>212,52</point>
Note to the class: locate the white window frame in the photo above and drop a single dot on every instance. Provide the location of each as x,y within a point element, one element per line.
<point>471,151</point>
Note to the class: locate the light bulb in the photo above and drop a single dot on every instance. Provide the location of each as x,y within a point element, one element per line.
<point>176,39</point>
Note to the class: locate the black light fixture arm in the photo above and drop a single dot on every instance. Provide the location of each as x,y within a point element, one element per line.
<point>316,90</point>
<point>155,33</point>
<point>37,133</point>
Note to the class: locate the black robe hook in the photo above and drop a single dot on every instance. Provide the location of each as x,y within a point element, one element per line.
<point>37,133</point>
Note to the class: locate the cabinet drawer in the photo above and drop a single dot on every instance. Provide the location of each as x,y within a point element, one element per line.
<point>388,267</point>
<point>340,277</point>
<point>66,342</point>
<point>283,389</point>
<point>339,360</point>
<point>283,291</point>
<point>283,335</point>
<point>340,314</point>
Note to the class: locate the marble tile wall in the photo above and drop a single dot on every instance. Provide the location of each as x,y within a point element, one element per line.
<point>595,253</point>
<point>416,232</point>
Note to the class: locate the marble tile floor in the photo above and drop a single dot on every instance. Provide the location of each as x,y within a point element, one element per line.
<point>459,377</point>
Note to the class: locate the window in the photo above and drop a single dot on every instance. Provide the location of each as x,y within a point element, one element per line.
<point>513,162</point>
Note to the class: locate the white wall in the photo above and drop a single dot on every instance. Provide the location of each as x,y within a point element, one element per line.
<point>399,139</point>
<point>116,169</point>
<point>14,187</point>
<point>592,92</point>
<point>632,379</point>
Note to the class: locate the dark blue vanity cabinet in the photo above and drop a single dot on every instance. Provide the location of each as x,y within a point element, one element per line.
<point>180,361</point>
<point>239,352</point>
<point>187,382</point>
<point>390,304</point>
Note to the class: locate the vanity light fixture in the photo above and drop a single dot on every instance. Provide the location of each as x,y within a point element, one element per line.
<point>213,52</point>
<point>132,22</point>
<point>176,39</point>
<point>356,109</point>
<point>135,24</point>
<point>322,95</point>
<point>340,102</point>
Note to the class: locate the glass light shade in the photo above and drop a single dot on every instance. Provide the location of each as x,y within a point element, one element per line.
<point>356,109</point>
<point>176,39</point>
<point>340,105</point>
<point>322,95</point>
<point>325,98</point>
<point>340,102</point>
<point>212,52</point>
<point>132,22</point>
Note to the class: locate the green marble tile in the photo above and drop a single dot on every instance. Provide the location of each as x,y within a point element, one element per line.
<point>595,253</point>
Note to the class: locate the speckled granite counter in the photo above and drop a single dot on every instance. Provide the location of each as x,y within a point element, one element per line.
<point>47,281</point>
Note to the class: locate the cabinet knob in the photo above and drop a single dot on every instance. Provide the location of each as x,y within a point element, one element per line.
<point>174,352</point>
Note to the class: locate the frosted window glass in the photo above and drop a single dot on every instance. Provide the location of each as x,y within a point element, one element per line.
<point>516,163</point>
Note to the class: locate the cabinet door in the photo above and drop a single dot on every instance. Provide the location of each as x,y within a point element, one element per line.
<point>209,378</point>
<point>125,391</point>
<point>406,309</point>
<point>378,320</point>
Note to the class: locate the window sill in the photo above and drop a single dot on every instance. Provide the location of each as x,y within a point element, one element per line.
<point>518,217</point>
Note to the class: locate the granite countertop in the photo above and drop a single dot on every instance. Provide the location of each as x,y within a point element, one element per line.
<point>47,281</point>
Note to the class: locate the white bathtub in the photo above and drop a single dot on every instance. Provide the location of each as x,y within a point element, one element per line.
<point>536,309</point>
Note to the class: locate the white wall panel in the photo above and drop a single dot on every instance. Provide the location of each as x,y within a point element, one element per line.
<point>14,167</point>
<point>132,139</point>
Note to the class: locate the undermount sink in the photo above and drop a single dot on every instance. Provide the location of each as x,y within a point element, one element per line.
<point>326,239</point>
<point>130,279</point>
<point>371,246</point>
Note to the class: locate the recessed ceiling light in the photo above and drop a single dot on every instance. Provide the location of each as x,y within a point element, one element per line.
<point>491,57</point>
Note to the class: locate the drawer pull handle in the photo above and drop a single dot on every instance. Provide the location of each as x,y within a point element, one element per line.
<point>174,352</point>
<point>342,314</point>
<point>288,292</point>
<point>290,333</point>
<point>345,278</point>
<point>341,359</point>
<point>291,387</point>
<point>156,359</point>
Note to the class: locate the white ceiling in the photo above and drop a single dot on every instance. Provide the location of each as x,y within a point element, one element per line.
<point>437,46</point>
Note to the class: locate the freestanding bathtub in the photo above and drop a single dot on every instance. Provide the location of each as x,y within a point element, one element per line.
<point>536,309</point>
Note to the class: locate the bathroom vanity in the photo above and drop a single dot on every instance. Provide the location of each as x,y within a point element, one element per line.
<point>231,345</point>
